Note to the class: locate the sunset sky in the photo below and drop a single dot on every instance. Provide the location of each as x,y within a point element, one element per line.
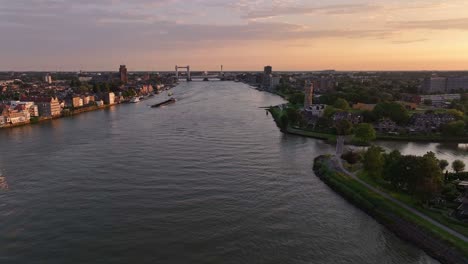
<point>61,35</point>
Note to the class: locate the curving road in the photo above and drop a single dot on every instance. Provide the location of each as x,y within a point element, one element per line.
<point>338,164</point>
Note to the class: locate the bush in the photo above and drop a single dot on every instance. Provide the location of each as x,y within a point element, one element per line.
<point>351,157</point>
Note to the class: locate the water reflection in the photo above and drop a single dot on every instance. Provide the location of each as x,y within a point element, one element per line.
<point>3,183</point>
<point>447,151</point>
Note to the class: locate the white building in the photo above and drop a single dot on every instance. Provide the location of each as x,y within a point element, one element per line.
<point>316,109</point>
<point>31,107</point>
<point>109,98</point>
<point>48,79</point>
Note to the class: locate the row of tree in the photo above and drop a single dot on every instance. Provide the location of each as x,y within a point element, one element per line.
<point>420,176</point>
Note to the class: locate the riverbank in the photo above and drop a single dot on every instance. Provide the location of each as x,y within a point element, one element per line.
<point>65,113</point>
<point>432,239</point>
<point>275,112</point>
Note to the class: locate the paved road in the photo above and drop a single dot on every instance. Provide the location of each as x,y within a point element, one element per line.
<point>338,163</point>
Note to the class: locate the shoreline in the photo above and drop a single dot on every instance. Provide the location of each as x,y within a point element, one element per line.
<point>74,113</point>
<point>434,241</point>
<point>69,114</point>
<point>332,137</point>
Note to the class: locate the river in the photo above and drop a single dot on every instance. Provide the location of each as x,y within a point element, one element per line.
<point>209,179</point>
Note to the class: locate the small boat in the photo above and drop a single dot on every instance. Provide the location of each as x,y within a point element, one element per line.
<point>170,93</point>
<point>167,102</point>
<point>135,100</point>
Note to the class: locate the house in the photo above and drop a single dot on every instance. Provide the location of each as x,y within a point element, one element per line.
<point>351,117</point>
<point>386,125</point>
<point>462,210</point>
<point>364,107</point>
<point>316,110</point>
<point>429,122</point>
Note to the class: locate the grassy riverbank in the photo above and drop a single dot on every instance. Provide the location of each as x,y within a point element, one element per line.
<point>434,240</point>
<point>276,112</point>
<point>441,215</point>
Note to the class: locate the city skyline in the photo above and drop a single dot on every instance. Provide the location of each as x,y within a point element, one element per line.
<point>293,35</point>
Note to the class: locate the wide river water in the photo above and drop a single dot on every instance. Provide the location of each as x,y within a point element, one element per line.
<point>209,179</point>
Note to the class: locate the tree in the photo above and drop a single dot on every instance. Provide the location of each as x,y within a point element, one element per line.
<point>455,128</point>
<point>392,110</point>
<point>330,111</point>
<point>341,103</point>
<point>443,164</point>
<point>283,122</point>
<point>344,127</point>
<point>428,102</point>
<point>450,192</point>
<point>429,177</point>
<point>459,115</point>
<point>297,98</point>
<point>394,169</point>
<point>293,116</point>
<point>458,166</point>
<point>374,161</point>
<point>364,132</point>
<point>351,157</point>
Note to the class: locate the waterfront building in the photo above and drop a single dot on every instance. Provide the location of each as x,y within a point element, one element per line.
<point>123,74</point>
<point>28,106</point>
<point>87,99</point>
<point>77,101</point>
<point>47,106</point>
<point>10,116</point>
<point>109,98</point>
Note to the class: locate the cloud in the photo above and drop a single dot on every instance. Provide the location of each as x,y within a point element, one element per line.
<point>442,24</point>
<point>302,10</point>
<point>409,41</point>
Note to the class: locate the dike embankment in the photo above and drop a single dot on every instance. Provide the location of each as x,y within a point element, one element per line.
<point>435,242</point>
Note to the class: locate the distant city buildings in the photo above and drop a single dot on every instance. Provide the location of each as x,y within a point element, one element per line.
<point>444,84</point>
<point>123,74</point>
<point>48,78</point>
<point>269,82</point>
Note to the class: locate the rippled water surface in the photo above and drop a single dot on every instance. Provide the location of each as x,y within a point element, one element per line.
<point>209,179</point>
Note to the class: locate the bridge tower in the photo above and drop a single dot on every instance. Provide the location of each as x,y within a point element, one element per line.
<point>189,77</point>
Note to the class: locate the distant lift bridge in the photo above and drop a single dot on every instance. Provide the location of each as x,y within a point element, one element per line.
<point>204,75</point>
